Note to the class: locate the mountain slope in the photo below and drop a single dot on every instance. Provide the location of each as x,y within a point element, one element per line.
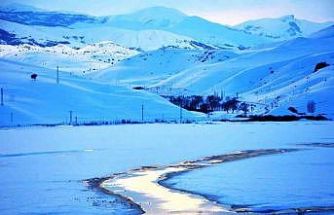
<point>275,77</point>
<point>276,57</point>
<point>283,28</point>
<point>83,34</point>
<point>157,26</point>
<point>199,29</point>
<point>75,60</point>
<point>150,68</point>
<point>151,18</point>
<point>28,15</point>
<point>44,101</point>
<point>25,25</point>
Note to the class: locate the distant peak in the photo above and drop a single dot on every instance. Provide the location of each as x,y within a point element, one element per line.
<point>10,7</point>
<point>161,11</point>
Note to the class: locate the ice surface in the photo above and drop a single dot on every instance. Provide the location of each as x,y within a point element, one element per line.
<point>41,168</point>
<point>279,182</point>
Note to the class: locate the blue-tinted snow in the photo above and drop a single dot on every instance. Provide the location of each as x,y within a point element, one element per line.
<point>41,168</point>
<point>278,182</point>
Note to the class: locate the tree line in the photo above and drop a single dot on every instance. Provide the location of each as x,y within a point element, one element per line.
<point>207,104</point>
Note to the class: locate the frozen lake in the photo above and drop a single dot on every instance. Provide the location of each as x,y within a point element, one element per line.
<point>41,169</point>
<point>302,179</point>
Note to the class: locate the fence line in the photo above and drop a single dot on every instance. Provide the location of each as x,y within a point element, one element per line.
<point>144,114</point>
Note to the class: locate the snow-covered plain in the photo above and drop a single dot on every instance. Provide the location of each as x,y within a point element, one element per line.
<point>42,168</point>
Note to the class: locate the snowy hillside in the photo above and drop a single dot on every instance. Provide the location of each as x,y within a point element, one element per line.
<point>16,7</point>
<point>44,101</point>
<point>199,29</point>
<point>29,15</point>
<point>159,112</point>
<point>26,25</point>
<point>80,35</point>
<point>79,60</point>
<point>283,28</point>
<point>150,68</point>
<point>274,78</point>
<point>165,52</point>
<point>147,29</point>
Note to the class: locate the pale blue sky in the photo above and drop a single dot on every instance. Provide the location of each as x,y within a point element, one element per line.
<point>222,11</point>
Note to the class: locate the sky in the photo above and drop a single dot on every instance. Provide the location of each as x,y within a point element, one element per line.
<point>228,12</point>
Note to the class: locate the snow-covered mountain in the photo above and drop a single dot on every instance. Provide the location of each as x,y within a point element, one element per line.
<point>26,25</point>
<point>147,29</point>
<point>171,20</point>
<point>16,7</point>
<point>29,15</point>
<point>283,28</point>
<point>275,77</point>
<point>164,51</point>
<point>83,34</point>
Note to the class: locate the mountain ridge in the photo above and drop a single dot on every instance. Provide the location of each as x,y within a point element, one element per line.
<point>282,28</point>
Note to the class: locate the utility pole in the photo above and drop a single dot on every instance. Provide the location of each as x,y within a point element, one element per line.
<point>1,96</point>
<point>11,117</point>
<point>71,113</point>
<point>181,114</point>
<point>142,113</point>
<point>57,74</point>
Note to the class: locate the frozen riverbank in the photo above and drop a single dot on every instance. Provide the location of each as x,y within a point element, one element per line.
<point>144,186</point>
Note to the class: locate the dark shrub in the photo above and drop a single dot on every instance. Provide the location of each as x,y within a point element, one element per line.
<point>293,110</point>
<point>138,88</point>
<point>320,65</point>
<point>265,118</point>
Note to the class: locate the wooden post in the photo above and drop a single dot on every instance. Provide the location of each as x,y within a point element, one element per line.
<point>181,114</point>
<point>71,113</point>
<point>57,74</point>
<point>142,113</point>
<point>1,96</point>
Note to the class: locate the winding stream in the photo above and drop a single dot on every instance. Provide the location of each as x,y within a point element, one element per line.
<point>145,186</point>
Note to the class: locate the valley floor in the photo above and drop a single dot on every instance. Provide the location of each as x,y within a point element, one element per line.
<point>42,170</point>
